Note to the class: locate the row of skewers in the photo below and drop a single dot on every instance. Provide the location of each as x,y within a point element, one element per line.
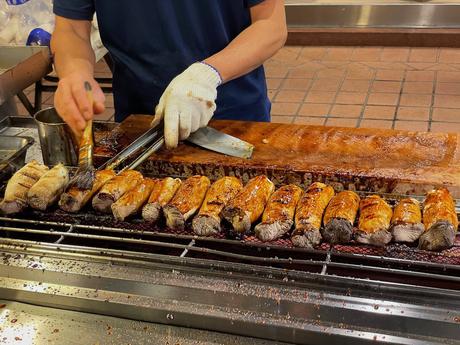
<point>309,217</point>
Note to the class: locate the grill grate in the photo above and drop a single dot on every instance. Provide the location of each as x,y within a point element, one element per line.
<point>395,263</point>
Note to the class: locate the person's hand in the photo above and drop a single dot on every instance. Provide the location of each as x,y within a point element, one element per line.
<point>188,103</point>
<point>72,103</point>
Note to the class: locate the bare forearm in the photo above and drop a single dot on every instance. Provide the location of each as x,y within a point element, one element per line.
<point>253,46</point>
<point>72,53</point>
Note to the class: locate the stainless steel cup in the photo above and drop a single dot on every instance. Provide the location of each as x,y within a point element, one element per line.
<point>57,140</point>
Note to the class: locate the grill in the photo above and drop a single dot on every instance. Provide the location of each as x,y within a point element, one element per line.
<point>397,263</point>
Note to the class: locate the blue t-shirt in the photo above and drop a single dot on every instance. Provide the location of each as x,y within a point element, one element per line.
<point>152,41</point>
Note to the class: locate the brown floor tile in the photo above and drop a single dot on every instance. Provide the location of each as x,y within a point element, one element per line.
<point>340,122</point>
<point>320,97</point>
<point>386,86</point>
<point>376,124</point>
<point>290,96</point>
<point>326,85</point>
<point>331,73</point>
<point>351,85</point>
<point>296,84</point>
<point>274,83</point>
<point>272,94</point>
<point>282,119</point>
<point>285,55</point>
<point>391,75</point>
<point>423,55</point>
<point>275,71</point>
<point>379,112</point>
<point>417,126</point>
<point>304,120</point>
<point>448,88</point>
<point>303,72</point>
<point>445,127</point>
<point>447,101</point>
<point>284,108</point>
<point>366,54</point>
<point>395,54</point>
<point>449,55</point>
<point>413,113</point>
<point>415,100</point>
<point>312,109</point>
<point>383,99</point>
<point>448,77</point>
<point>420,75</point>
<point>442,67</point>
<point>449,115</point>
<point>340,110</point>
<point>338,54</point>
<point>359,72</point>
<point>313,53</point>
<point>351,98</point>
<point>418,87</point>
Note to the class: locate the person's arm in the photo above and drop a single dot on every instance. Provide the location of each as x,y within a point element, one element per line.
<point>260,41</point>
<point>188,103</point>
<point>74,62</point>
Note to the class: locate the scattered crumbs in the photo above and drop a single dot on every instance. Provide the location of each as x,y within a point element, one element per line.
<point>17,338</point>
<point>2,306</point>
<point>265,141</point>
<point>55,330</point>
<point>14,320</point>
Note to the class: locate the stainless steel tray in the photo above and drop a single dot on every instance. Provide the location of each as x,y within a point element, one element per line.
<point>13,151</point>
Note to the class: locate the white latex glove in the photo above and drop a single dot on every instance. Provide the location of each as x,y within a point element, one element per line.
<point>188,102</point>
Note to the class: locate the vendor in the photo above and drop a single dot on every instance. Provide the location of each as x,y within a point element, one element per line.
<point>193,60</point>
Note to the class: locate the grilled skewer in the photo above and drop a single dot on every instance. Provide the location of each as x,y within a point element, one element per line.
<point>133,200</point>
<point>340,216</point>
<point>49,188</point>
<point>114,189</point>
<point>186,201</point>
<point>162,193</point>
<point>406,223</point>
<point>440,220</point>
<point>278,216</point>
<point>374,221</point>
<point>248,205</point>
<point>309,214</point>
<point>18,186</point>
<point>74,199</point>
<point>208,220</point>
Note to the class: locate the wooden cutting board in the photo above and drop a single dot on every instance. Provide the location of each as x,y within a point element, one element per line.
<point>377,160</point>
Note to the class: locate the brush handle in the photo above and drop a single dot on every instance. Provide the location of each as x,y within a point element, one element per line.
<point>85,157</point>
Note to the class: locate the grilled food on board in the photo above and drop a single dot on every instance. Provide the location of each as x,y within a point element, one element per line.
<point>406,223</point>
<point>15,199</point>
<point>440,220</point>
<point>309,215</point>
<point>186,202</point>
<point>248,205</point>
<point>48,189</point>
<point>208,220</point>
<point>374,221</point>
<point>162,193</point>
<point>132,201</point>
<point>340,216</point>
<point>74,199</point>
<point>114,189</point>
<point>278,216</point>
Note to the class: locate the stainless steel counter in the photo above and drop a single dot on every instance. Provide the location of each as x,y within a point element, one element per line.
<point>22,323</point>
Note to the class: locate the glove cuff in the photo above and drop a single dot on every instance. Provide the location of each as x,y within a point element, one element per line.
<point>206,72</point>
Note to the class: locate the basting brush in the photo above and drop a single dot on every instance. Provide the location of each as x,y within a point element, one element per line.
<point>85,174</point>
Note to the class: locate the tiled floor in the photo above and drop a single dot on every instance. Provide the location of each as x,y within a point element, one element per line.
<point>401,88</point>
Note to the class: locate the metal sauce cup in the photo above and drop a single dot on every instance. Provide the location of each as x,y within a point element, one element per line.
<point>57,140</point>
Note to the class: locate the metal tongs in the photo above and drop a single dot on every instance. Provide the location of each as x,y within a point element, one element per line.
<point>148,143</point>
